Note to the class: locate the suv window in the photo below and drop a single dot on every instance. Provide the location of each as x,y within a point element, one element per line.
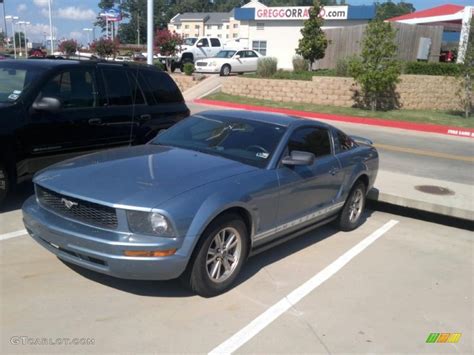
<point>117,87</point>
<point>215,42</point>
<point>163,88</point>
<point>342,142</point>
<point>75,88</point>
<point>312,140</point>
<point>203,42</point>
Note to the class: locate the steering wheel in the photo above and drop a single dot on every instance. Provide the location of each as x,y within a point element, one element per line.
<point>259,147</point>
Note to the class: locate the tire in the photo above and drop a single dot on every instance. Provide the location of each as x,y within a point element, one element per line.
<point>207,274</point>
<point>225,70</point>
<point>350,215</point>
<point>5,184</point>
<point>173,67</point>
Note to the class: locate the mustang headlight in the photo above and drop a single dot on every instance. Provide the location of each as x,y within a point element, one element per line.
<point>149,223</point>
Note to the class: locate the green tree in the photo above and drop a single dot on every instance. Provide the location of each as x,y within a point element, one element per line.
<point>312,46</point>
<point>2,38</point>
<point>467,74</point>
<point>377,71</point>
<point>390,9</point>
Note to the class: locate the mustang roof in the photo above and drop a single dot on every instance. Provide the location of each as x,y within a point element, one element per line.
<point>268,117</point>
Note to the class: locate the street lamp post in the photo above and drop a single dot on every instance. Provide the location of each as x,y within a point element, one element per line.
<point>149,34</point>
<point>13,19</point>
<point>51,27</point>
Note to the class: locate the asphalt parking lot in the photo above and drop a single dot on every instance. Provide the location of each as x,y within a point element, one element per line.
<point>376,289</point>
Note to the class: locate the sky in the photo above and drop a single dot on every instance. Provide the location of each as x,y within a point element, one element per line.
<point>70,17</point>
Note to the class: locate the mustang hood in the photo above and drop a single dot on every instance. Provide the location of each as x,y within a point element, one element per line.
<point>143,176</point>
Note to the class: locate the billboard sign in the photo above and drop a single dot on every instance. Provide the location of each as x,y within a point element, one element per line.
<point>300,13</point>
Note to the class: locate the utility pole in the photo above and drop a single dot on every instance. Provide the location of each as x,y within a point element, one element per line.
<point>13,19</point>
<point>149,34</point>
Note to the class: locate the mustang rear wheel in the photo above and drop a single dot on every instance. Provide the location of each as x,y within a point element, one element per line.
<point>350,215</point>
<point>4,183</point>
<point>220,256</point>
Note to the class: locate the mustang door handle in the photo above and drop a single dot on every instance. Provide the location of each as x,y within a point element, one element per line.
<point>333,171</point>
<point>95,121</point>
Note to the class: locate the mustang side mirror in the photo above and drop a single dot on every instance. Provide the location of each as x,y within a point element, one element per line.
<point>49,104</point>
<point>299,158</point>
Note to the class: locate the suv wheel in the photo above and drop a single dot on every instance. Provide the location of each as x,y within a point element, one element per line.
<point>4,183</point>
<point>350,216</point>
<point>220,256</point>
<point>225,70</point>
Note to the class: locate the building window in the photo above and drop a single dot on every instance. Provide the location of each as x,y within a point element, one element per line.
<point>186,26</point>
<point>226,36</point>
<point>196,34</point>
<point>219,35</point>
<point>227,26</point>
<point>196,27</point>
<point>208,27</point>
<point>219,27</point>
<point>236,25</point>
<point>260,26</point>
<point>178,27</point>
<point>235,35</point>
<point>260,46</point>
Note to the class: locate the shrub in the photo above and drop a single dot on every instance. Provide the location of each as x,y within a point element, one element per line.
<point>266,67</point>
<point>188,68</point>
<point>159,65</point>
<point>427,68</point>
<point>300,64</point>
<point>343,66</point>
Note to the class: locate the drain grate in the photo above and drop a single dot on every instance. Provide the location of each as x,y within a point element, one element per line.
<point>434,190</point>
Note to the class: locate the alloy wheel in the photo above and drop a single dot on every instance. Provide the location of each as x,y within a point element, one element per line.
<point>223,254</point>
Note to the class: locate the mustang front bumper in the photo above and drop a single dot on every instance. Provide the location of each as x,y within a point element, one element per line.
<point>102,250</point>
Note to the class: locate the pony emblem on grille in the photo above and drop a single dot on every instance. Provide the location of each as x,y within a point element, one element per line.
<point>69,204</point>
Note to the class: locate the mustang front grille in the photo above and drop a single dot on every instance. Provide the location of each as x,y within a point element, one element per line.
<point>76,209</point>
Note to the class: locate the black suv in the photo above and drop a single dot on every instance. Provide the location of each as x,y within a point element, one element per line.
<point>51,110</point>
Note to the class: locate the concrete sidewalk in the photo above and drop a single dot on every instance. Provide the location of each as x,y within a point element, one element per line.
<point>206,87</point>
<point>400,190</point>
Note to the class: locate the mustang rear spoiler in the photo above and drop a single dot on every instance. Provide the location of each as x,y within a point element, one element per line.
<point>362,140</point>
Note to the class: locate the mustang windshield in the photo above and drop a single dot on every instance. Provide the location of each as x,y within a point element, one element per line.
<point>14,80</point>
<point>249,142</point>
<point>225,54</point>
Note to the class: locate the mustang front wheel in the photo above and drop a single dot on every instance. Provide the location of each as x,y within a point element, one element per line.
<point>350,216</point>
<point>220,256</point>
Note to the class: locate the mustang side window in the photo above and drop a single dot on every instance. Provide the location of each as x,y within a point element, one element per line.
<point>343,143</point>
<point>312,140</point>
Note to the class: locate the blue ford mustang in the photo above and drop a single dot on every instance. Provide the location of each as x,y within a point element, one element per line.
<point>201,197</point>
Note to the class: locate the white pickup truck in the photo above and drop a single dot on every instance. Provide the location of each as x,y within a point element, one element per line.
<point>195,48</point>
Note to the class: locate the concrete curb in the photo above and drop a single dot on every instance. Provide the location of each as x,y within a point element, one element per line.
<point>411,126</point>
<point>376,195</point>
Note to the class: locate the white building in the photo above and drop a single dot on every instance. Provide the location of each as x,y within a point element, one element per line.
<point>275,31</point>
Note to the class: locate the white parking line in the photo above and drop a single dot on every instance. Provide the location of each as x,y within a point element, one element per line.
<point>263,320</point>
<point>13,234</point>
